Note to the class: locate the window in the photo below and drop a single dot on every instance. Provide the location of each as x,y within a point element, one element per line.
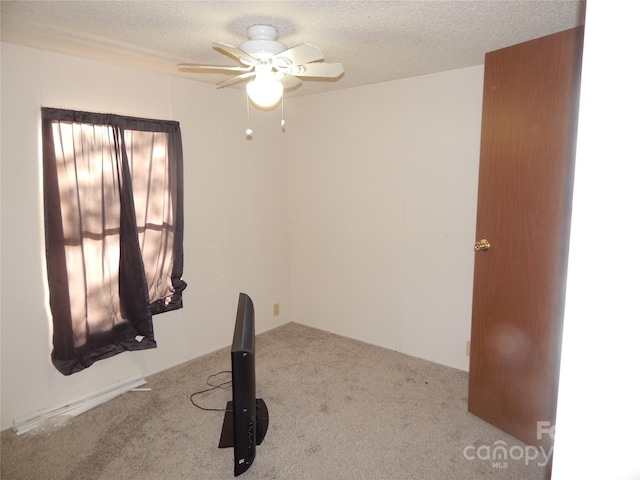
<point>113,231</point>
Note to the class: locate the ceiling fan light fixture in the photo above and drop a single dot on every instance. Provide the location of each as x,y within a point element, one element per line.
<point>270,64</point>
<point>265,90</point>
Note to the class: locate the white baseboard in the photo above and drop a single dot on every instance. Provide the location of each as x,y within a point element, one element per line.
<point>81,405</point>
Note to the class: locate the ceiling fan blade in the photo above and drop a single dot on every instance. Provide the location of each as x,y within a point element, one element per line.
<point>202,68</point>
<point>303,53</point>
<point>239,78</point>
<point>235,52</point>
<point>289,81</point>
<point>320,69</point>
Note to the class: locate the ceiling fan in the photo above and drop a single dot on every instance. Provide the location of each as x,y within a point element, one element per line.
<point>270,66</point>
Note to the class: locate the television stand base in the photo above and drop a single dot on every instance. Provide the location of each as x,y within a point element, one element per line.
<point>262,424</point>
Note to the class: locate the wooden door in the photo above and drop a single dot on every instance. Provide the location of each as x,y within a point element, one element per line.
<point>527,156</point>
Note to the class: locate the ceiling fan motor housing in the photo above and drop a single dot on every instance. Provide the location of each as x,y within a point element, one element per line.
<point>262,43</point>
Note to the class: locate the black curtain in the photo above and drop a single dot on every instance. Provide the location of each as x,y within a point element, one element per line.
<point>113,205</point>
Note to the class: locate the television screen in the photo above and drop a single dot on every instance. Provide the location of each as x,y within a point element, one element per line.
<point>246,418</point>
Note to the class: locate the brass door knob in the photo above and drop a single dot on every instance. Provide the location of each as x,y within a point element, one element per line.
<point>483,245</point>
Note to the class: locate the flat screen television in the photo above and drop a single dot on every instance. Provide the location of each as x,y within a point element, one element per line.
<point>246,418</point>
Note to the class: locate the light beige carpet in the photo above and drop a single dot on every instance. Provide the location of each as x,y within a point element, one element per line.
<point>339,409</point>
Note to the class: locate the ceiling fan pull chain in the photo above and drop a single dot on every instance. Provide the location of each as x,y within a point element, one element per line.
<point>282,117</point>
<point>248,131</point>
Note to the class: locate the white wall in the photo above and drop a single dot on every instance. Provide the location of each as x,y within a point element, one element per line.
<point>383,183</point>
<point>598,420</point>
<point>236,215</point>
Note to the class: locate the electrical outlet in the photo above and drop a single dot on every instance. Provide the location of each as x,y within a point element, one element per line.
<point>276,309</point>
<point>468,349</point>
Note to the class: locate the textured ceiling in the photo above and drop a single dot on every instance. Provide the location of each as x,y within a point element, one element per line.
<point>376,41</point>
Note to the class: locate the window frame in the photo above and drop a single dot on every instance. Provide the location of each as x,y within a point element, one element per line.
<point>133,329</point>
